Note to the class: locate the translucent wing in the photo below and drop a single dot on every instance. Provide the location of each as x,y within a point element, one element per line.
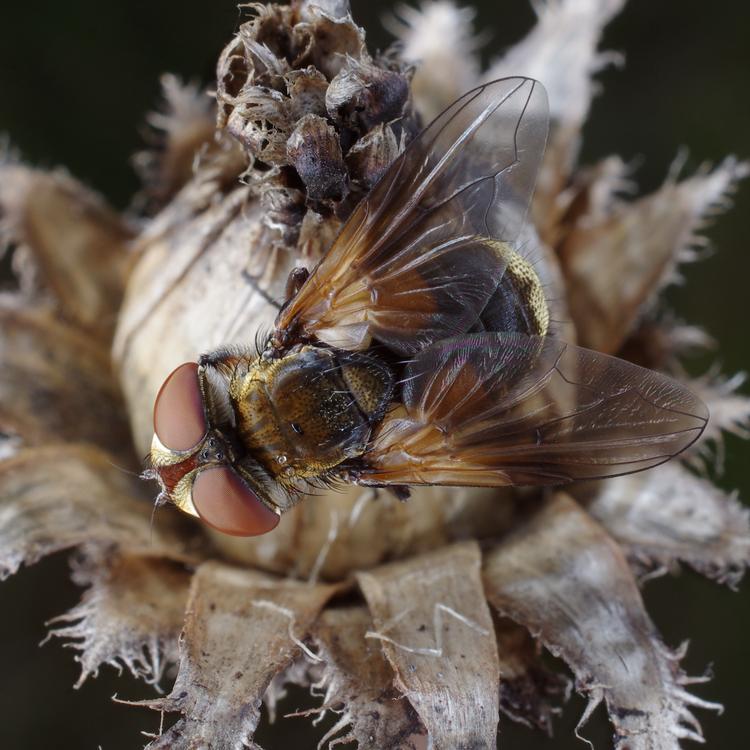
<point>505,408</point>
<point>418,259</point>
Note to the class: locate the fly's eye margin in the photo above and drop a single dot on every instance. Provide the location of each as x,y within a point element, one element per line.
<point>179,417</point>
<point>226,503</point>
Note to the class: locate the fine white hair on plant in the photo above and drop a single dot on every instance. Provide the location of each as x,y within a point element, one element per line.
<point>437,624</point>
<point>265,604</point>
<point>333,531</point>
<point>366,497</point>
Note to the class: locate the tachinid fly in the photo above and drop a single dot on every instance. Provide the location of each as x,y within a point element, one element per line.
<point>418,351</point>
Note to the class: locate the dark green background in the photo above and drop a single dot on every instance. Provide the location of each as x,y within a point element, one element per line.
<point>75,80</point>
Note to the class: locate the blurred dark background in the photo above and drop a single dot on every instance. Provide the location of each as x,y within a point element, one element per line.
<point>75,81</point>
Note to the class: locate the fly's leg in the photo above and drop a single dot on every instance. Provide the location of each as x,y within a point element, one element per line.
<point>260,280</point>
<point>297,277</point>
<point>254,282</point>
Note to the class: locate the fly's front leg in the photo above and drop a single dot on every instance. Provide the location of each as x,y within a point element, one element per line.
<point>254,282</point>
<point>297,277</point>
<point>261,279</point>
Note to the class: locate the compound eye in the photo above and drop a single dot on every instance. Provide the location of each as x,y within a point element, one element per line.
<point>179,419</point>
<point>227,504</point>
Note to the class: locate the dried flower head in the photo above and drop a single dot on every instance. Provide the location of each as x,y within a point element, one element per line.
<point>418,624</point>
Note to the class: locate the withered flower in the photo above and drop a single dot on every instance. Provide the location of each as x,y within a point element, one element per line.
<point>421,623</point>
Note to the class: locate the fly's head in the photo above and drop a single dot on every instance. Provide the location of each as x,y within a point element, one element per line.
<point>197,458</point>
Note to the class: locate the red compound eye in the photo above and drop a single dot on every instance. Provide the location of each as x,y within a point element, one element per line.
<point>225,502</point>
<point>179,419</point>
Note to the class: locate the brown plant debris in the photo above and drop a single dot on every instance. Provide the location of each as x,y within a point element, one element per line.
<point>432,619</point>
<point>241,629</point>
<point>56,383</point>
<point>130,616</point>
<point>68,244</point>
<point>669,515</point>
<point>62,496</point>
<point>563,577</point>
<point>358,681</point>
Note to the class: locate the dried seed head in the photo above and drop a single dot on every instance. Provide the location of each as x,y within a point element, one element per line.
<point>299,92</point>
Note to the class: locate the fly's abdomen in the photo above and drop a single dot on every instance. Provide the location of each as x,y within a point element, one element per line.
<point>518,304</point>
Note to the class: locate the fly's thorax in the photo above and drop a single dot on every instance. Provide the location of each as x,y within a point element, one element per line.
<point>304,413</point>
